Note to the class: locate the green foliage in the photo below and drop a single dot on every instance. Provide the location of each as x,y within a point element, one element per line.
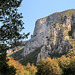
<point>48,67</point>
<point>63,62</point>
<point>9,3</point>
<point>66,27</point>
<point>67,65</point>
<point>60,66</point>
<point>72,51</point>
<point>4,68</point>
<point>41,67</point>
<point>72,64</point>
<point>11,26</point>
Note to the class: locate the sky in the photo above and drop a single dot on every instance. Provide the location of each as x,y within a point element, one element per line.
<point>36,9</point>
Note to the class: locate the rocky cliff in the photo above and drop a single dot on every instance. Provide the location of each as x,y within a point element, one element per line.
<point>52,34</point>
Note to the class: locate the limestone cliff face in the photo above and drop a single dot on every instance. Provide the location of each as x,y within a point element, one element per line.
<point>53,34</point>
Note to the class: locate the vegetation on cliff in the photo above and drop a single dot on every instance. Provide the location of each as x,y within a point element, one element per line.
<point>68,13</point>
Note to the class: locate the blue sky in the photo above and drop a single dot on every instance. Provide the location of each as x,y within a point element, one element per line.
<point>35,9</point>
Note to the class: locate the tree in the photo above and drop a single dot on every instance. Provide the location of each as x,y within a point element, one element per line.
<point>48,67</point>
<point>41,67</point>
<point>11,26</point>
<point>72,65</point>
<point>67,65</point>
<point>31,68</point>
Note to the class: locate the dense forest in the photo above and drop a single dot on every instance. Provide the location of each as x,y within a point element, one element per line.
<point>56,66</point>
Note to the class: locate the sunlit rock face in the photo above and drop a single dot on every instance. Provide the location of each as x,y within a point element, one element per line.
<point>41,32</point>
<point>53,34</point>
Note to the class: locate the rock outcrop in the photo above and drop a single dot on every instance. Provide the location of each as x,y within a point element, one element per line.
<point>53,33</point>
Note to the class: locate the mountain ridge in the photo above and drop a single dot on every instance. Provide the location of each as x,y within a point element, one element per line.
<point>53,32</point>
